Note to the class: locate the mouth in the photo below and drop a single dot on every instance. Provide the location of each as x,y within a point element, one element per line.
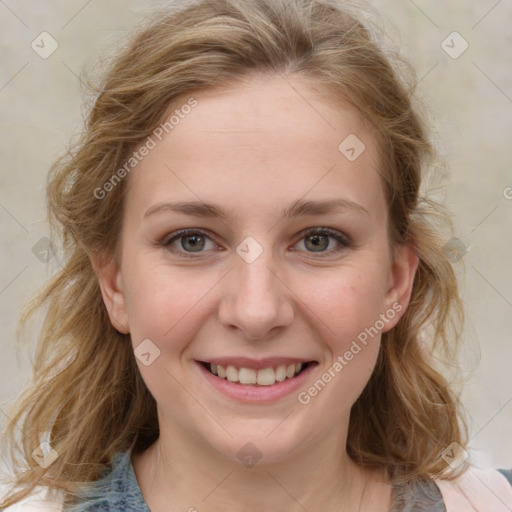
<point>259,374</point>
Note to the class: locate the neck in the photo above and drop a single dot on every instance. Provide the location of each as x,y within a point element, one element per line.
<point>182,471</point>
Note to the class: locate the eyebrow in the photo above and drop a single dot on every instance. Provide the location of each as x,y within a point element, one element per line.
<point>299,208</point>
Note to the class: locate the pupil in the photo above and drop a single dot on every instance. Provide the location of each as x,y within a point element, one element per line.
<point>320,242</point>
<point>193,242</point>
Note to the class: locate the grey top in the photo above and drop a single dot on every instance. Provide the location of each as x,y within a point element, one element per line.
<point>119,490</point>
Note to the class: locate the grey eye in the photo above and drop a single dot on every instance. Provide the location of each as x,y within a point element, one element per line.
<point>317,243</point>
<point>193,243</point>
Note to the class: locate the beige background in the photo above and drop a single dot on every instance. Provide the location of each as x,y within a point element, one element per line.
<point>470,98</point>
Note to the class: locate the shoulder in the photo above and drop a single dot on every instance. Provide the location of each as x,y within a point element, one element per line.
<point>481,490</point>
<point>116,490</point>
<point>507,473</point>
<point>39,500</point>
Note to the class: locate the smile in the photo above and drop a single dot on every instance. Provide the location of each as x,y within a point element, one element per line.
<point>251,376</point>
<point>256,381</point>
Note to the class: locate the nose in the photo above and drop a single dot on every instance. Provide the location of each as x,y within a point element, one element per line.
<point>255,301</point>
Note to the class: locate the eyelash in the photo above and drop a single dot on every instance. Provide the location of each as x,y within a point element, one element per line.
<point>343,241</point>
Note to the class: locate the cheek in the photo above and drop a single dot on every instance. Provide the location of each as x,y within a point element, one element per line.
<point>169,309</point>
<point>349,308</point>
<point>346,302</point>
<point>164,305</point>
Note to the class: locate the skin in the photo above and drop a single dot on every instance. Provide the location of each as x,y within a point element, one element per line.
<point>255,149</point>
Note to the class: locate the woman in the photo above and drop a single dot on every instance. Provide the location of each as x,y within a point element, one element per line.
<point>253,290</point>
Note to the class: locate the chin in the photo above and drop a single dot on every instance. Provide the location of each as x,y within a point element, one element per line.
<point>260,445</point>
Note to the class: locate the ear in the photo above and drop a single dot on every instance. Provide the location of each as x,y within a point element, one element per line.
<point>398,295</point>
<point>110,280</point>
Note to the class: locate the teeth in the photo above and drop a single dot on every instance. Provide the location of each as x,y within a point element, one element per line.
<point>267,376</point>
<point>247,376</point>
<point>281,373</point>
<point>263,377</point>
<point>232,374</point>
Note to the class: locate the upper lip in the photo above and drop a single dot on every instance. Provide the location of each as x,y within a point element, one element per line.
<point>256,364</point>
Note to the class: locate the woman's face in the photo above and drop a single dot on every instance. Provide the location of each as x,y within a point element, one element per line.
<point>286,262</point>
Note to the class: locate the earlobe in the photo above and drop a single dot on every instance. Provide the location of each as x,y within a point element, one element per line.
<point>112,290</point>
<point>403,272</point>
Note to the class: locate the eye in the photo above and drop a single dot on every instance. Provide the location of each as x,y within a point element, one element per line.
<point>324,241</point>
<point>188,241</point>
<point>191,242</point>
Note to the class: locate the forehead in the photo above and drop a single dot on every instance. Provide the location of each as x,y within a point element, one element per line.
<point>280,116</point>
<point>265,140</point>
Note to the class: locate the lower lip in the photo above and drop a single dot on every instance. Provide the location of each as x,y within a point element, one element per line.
<point>253,393</point>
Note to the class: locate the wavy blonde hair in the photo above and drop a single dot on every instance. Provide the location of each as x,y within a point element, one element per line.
<point>87,394</point>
